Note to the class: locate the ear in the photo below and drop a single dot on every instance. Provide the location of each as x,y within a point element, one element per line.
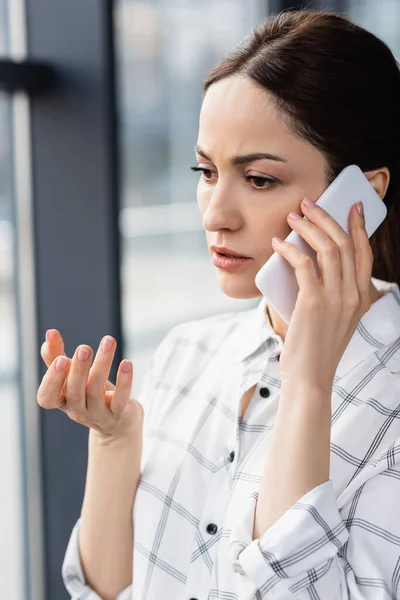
<point>379,179</point>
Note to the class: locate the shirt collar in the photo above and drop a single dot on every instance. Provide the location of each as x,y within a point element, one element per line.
<point>255,330</point>
<point>379,327</point>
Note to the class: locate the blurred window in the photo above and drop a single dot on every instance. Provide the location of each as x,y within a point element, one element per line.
<point>164,51</point>
<point>12,584</point>
<point>381,18</point>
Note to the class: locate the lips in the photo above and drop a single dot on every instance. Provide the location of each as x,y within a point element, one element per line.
<point>227,252</point>
<point>228,263</point>
<point>230,255</point>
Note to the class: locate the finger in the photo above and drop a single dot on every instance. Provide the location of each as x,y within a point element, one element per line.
<point>75,389</point>
<point>306,274</point>
<point>110,387</point>
<point>52,347</point>
<point>123,388</point>
<point>324,221</point>
<point>344,242</point>
<point>50,394</point>
<point>328,253</point>
<point>100,370</point>
<point>364,257</point>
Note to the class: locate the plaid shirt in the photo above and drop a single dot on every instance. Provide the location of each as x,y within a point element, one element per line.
<point>202,467</point>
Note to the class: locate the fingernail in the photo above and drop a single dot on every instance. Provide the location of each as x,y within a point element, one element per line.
<point>61,363</point>
<point>360,209</point>
<point>126,366</point>
<point>294,215</point>
<point>106,344</point>
<point>83,354</point>
<point>276,240</point>
<point>309,203</point>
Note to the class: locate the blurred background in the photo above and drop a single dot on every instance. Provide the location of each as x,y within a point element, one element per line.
<point>99,228</point>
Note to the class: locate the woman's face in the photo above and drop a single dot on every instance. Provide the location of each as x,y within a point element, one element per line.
<point>240,210</point>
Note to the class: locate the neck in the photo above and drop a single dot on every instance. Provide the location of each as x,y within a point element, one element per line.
<point>280,326</point>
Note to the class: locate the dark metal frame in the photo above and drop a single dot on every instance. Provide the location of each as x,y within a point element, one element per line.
<point>28,76</point>
<point>77,252</point>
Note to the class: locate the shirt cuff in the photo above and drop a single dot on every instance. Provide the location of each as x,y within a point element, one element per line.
<point>73,577</point>
<point>308,534</point>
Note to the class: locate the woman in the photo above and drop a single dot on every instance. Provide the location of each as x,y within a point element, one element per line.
<point>260,477</point>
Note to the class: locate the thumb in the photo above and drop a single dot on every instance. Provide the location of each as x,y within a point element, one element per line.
<point>52,347</point>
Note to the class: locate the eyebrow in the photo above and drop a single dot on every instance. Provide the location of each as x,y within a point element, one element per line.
<point>244,158</point>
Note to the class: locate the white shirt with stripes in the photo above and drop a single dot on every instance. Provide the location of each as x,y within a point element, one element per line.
<point>202,466</point>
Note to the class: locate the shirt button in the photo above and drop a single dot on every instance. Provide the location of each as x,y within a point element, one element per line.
<point>212,528</point>
<point>264,392</point>
<point>232,456</point>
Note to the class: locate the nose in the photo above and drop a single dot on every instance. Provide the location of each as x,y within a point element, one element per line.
<point>221,210</point>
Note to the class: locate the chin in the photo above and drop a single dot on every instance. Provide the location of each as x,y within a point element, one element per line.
<point>238,287</point>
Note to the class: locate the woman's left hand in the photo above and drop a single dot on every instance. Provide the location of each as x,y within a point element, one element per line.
<point>328,308</point>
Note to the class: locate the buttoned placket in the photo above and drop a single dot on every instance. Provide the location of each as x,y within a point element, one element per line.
<point>263,371</point>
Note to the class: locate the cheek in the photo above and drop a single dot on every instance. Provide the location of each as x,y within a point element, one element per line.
<point>264,228</point>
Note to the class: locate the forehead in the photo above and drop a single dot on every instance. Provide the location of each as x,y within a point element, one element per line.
<point>239,116</point>
<point>237,107</point>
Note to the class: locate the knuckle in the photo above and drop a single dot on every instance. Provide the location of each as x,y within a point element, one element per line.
<point>311,301</point>
<point>305,262</point>
<point>73,398</point>
<point>314,302</point>
<point>370,253</point>
<point>139,408</point>
<point>41,400</point>
<point>45,357</point>
<point>92,389</point>
<point>346,244</point>
<point>335,302</point>
<point>353,301</point>
<point>331,250</point>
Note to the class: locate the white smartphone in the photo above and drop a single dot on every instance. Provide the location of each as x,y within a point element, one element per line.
<point>277,279</point>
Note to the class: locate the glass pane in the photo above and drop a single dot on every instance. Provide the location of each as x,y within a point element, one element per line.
<point>164,51</point>
<point>11,508</point>
<point>381,18</point>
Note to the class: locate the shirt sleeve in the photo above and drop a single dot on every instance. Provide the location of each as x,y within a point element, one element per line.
<point>315,551</point>
<point>73,577</point>
<point>72,572</point>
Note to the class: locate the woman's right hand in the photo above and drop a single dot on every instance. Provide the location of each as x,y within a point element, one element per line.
<point>84,392</point>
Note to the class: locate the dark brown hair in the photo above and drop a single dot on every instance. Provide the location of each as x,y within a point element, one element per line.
<point>339,87</point>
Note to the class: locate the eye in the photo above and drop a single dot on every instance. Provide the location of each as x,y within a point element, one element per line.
<point>260,180</point>
<point>204,171</point>
<point>261,183</point>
